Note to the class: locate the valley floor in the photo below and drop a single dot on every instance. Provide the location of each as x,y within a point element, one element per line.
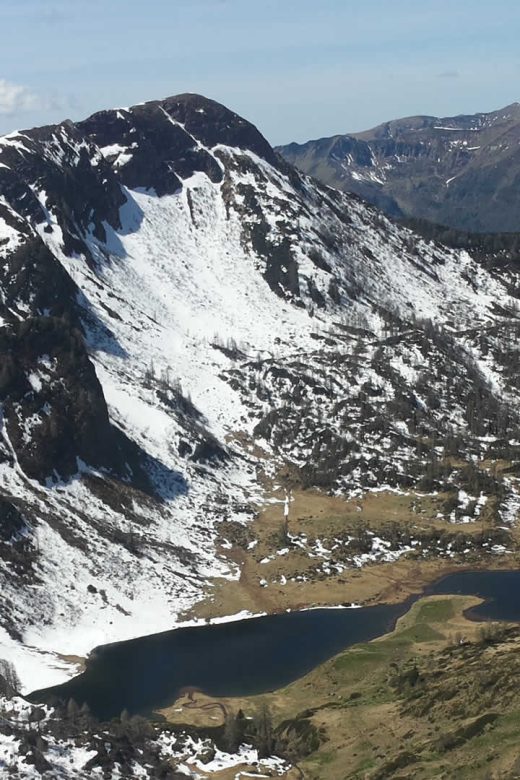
<point>320,560</point>
<point>417,703</point>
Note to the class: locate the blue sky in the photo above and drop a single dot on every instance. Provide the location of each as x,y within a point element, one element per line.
<point>298,69</point>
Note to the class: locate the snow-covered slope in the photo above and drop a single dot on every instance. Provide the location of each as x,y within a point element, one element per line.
<point>171,291</point>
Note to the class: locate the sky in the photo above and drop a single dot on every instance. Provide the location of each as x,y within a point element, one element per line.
<point>298,69</point>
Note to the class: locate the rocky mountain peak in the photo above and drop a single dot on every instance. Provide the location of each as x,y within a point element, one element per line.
<point>156,145</point>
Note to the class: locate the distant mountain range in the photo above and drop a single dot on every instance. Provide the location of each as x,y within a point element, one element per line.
<point>463,171</point>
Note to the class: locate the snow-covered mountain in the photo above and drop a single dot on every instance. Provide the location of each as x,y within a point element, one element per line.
<point>182,312</point>
<point>462,171</point>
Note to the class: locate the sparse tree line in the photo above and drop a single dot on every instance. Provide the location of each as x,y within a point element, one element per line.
<point>130,740</point>
<point>343,432</point>
<point>291,739</point>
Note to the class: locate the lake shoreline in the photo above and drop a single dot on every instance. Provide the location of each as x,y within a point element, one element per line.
<point>280,648</point>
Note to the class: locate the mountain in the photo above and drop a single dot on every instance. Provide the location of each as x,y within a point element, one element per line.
<point>187,321</point>
<point>462,172</point>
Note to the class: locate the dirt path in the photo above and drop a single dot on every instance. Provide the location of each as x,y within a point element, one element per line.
<point>193,704</point>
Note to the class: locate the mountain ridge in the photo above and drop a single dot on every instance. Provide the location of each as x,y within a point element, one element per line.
<point>458,171</point>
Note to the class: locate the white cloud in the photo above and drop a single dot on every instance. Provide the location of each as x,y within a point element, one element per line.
<point>15,98</point>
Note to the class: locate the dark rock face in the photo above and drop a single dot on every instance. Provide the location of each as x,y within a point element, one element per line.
<point>463,172</point>
<point>62,415</point>
<point>157,145</point>
<point>51,168</point>
<point>148,149</point>
<point>215,124</point>
<point>11,520</point>
<point>53,404</point>
<point>33,279</point>
<point>281,268</point>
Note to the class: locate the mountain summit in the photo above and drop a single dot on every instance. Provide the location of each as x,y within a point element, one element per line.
<point>462,171</point>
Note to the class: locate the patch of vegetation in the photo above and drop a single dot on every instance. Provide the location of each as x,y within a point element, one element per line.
<point>435,611</point>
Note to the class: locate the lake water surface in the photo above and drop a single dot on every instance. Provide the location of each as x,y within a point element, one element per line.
<point>256,655</point>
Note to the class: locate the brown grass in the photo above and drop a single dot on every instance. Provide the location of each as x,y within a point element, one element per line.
<point>320,515</point>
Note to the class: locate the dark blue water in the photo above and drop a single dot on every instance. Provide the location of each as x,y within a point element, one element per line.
<point>253,656</point>
<point>499,589</point>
